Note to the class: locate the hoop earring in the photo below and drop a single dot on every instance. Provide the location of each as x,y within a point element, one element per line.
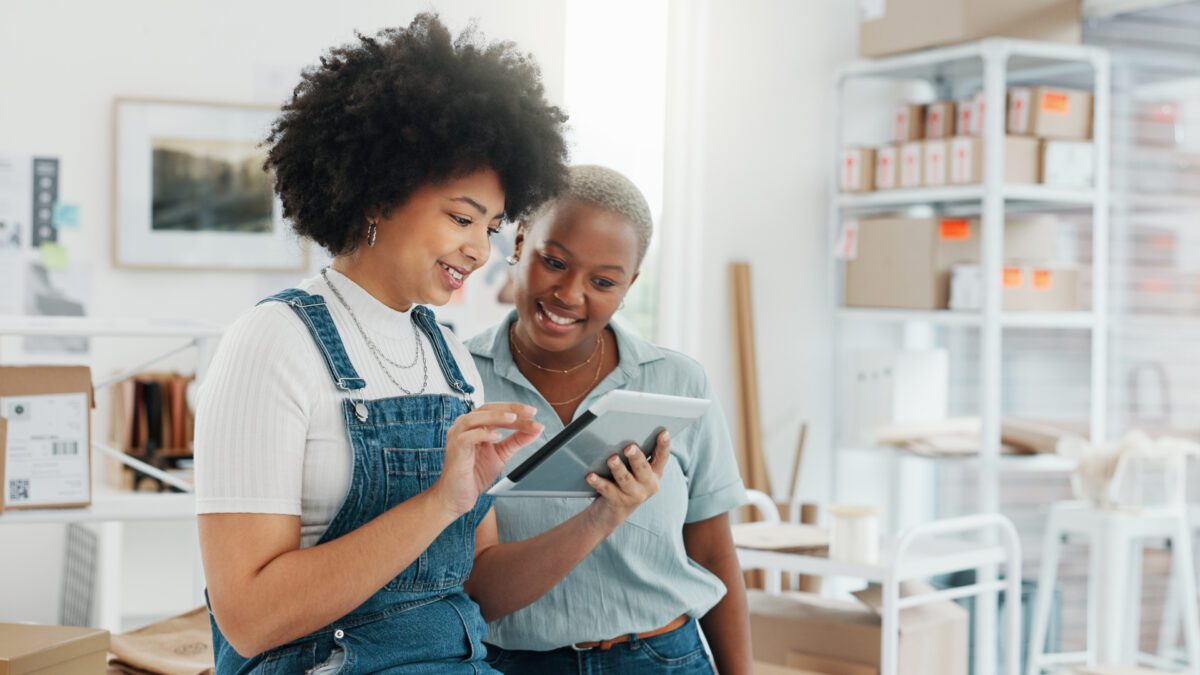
<point>512,259</point>
<point>371,230</point>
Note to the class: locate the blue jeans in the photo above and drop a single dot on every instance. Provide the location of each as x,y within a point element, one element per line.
<point>678,652</point>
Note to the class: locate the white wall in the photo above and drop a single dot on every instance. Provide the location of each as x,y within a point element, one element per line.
<point>64,62</point>
<point>765,120</point>
<point>754,134</point>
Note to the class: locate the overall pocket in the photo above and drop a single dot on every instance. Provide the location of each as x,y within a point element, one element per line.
<point>447,561</point>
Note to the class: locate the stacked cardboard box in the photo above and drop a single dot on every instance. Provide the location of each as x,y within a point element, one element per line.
<point>63,650</point>
<point>908,263</point>
<point>1047,141</point>
<point>893,26</point>
<point>810,633</point>
<point>45,450</point>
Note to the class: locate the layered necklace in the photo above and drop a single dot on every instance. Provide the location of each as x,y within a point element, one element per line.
<point>596,378</point>
<point>377,353</point>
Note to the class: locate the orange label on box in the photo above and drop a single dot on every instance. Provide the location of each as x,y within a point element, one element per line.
<point>1042,280</point>
<point>1012,277</point>
<point>955,229</point>
<point>1055,103</point>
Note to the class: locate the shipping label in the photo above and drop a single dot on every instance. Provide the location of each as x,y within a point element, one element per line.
<point>47,458</point>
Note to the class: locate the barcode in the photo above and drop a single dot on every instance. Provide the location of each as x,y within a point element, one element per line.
<point>65,448</point>
<point>18,488</point>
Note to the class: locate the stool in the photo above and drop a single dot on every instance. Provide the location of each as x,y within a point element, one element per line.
<point>1114,580</point>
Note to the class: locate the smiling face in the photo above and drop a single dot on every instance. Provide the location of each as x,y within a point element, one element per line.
<point>426,247</point>
<point>576,263</point>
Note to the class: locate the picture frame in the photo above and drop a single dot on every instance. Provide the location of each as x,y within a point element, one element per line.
<point>189,190</point>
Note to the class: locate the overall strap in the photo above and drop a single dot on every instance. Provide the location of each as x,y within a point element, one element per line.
<point>312,311</point>
<point>427,322</point>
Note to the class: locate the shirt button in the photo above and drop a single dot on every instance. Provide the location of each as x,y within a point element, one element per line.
<point>339,634</point>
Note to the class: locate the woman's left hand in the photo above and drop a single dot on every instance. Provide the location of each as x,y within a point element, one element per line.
<point>629,487</point>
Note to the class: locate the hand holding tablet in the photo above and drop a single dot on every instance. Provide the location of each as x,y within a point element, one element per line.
<point>620,418</point>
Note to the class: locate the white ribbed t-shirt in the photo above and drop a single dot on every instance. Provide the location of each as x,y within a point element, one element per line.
<point>270,437</point>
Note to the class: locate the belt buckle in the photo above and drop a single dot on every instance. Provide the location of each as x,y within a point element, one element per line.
<point>576,647</point>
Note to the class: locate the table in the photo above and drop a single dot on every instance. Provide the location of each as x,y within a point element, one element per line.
<point>922,552</point>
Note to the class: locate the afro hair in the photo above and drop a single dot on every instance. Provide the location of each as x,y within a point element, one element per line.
<point>378,118</point>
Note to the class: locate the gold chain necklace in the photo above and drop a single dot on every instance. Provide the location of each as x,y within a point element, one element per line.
<point>595,378</point>
<point>535,364</point>
<point>599,368</point>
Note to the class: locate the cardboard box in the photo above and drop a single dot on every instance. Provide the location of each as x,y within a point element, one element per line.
<point>933,637</point>
<point>47,458</point>
<point>1021,160</point>
<point>887,167</point>
<point>1025,288</point>
<point>857,173</point>
<point>1048,112</point>
<point>905,263</point>
<point>763,668</point>
<point>935,156</point>
<point>894,26</point>
<point>28,649</point>
<point>908,123</point>
<point>912,164</point>
<point>964,117</point>
<point>1068,164</point>
<point>806,663</point>
<point>940,119</point>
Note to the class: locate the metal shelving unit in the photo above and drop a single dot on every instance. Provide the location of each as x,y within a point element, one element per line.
<point>111,509</point>
<point>993,65</point>
<point>953,72</point>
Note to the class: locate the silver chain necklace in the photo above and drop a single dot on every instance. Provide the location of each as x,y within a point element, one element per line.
<point>376,353</point>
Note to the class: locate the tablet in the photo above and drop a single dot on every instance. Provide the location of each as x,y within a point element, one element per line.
<point>560,467</point>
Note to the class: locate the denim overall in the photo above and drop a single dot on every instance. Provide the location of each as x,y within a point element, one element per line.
<point>421,621</point>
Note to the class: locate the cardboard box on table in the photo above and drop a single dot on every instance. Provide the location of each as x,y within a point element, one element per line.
<point>893,26</point>
<point>905,263</point>
<point>1021,160</point>
<point>1050,112</point>
<point>51,395</point>
<point>27,649</point>
<point>933,637</point>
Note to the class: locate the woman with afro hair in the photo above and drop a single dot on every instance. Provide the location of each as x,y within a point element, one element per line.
<point>343,448</point>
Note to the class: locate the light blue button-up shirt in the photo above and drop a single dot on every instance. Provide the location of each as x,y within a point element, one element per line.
<point>640,578</point>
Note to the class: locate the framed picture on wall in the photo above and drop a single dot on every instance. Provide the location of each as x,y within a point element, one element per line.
<point>190,190</point>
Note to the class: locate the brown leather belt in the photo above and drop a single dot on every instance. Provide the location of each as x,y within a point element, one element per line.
<point>605,645</point>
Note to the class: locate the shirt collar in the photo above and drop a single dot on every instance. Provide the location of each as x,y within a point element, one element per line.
<point>633,350</point>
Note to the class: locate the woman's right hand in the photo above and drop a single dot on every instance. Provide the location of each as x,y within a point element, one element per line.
<point>629,487</point>
<point>475,454</point>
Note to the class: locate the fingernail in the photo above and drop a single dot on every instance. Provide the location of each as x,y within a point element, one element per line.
<point>614,462</point>
<point>630,451</point>
<point>530,410</point>
<point>591,478</point>
<point>495,435</point>
<point>510,417</point>
<point>666,435</point>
